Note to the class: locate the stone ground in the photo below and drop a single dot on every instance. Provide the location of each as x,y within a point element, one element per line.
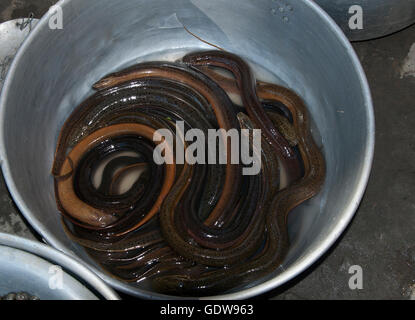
<point>381,238</point>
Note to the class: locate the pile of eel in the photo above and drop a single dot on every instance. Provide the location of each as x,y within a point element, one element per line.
<point>192,229</point>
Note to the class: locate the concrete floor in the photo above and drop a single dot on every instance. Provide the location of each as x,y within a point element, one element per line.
<point>381,238</point>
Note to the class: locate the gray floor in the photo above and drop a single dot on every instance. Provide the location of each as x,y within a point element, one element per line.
<point>381,238</point>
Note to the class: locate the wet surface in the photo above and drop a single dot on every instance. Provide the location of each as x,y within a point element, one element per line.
<point>381,238</point>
